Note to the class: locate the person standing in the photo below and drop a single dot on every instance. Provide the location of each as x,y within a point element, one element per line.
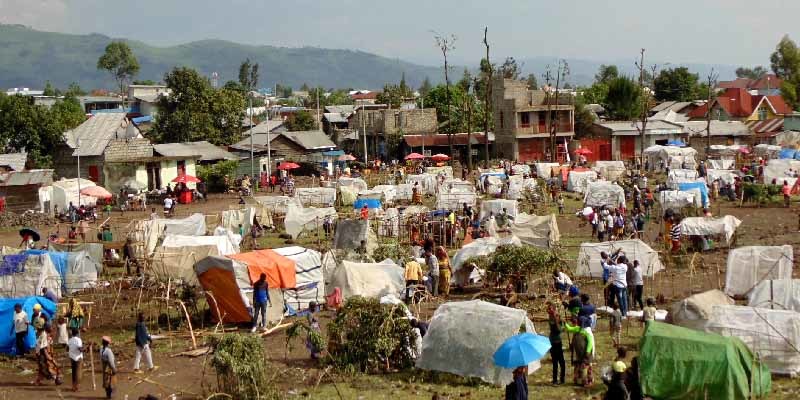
<point>556,349</point>
<point>49,295</point>
<point>20,329</point>
<point>616,384</point>
<point>787,194</point>
<point>675,234</point>
<point>560,205</point>
<point>260,301</point>
<point>518,388</point>
<point>413,275</point>
<point>48,369</point>
<point>109,366</point>
<point>445,271</point>
<point>582,348</point>
<point>638,284</point>
<point>75,353</point>
<point>433,270</point>
<point>143,340</point>
<point>619,283</point>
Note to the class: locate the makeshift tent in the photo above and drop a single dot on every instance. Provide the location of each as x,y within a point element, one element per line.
<point>497,206</point>
<point>446,170</point>
<point>463,336</point>
<point>677,176</point>
<point>299,219</point>
<point>456,186</point>
<point>318,196</point>
<point>193,225</point>
<point>578,181</point>
<point>389,192</point>
<point>8,338</point>
<point>229,290</point>
<point>81,272</point>
<point>478,247</point>
<point>545,170</point>
<point>778,170</point>
<point>694,311</point>
<point>676,199</point>
<point>725,176</point>
<point>767,151</point>
<point>609,170</point>
<point>603,193</point>
<point>93,250</point>
<point>778,294</point>
<point>517,185</point>
<point>348,195</point>
<point>65,191</point>
<point>455,200</point>
<point>280,270</point>
<point>702,226</point>
<point>521,169</point>
<point>177,262</point>
<point>145,234</point>
<point>699,186</point>
<point>720,164</point>
<point>680,363</point>
<point>308,272</point>
<point>404,191</point>
<point>788,138</point>
<point>370,280</point>
<point>277,204</point>
<point>749,265</point>
<point>492,185</point>
<point>225,244</point>
<point>635,249</point>
<point>356,183</point>
<point>25,274</point>
<point>231,219</point>
<point>350,233</point>
<point>426,183</point>
<point>673,157</point>
<point>390,223</point>
<point>772,334</point>
<point>534,230</point>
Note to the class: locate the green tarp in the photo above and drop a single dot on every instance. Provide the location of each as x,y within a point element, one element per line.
<point>680,363</point>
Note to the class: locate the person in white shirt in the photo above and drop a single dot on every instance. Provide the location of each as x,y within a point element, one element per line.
<point>619,283</point>
<point>20,329</point>
<point>561,281</point>
<point>75,353</point>
<point>167,205</point>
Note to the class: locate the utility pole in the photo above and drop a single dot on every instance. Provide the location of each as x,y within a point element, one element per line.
<point>562,71</point>
<point>446,44</point>
<point>423,116</point>
<point>548,77</point>
<point>712,79</point>
<point>78,148</point>
<point>468,106</point>
<point>643,127</point>
<point>364,131</point>
<point>252,156</point>
<point>487,96</point>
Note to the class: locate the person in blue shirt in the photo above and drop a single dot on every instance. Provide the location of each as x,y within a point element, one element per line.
<point>50,295</point>
<point>260,301</point>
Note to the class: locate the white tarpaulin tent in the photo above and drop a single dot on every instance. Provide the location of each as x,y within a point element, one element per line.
<point>231,219</point>
<point>493,184</point>
<point>497,206</point>
<point>673,157</point>
<point>479,247</point>
<point>788,138</point>
<point>369,280</point>
<point>81,272</point>
<point>677,199</point>
<point>193,225</point>
<point>578,181</point>
<point>463,336</point>
<point>778,169</point>
<point>225,244</point>
<point>609,170</point>
<point>724,175</point>
<point>521,169</point>
<point>535,230</point>
<point>694,311</point>
<point>310,283</point>
<point>389,192</point>
<point>65,191</point>
<point>702,226</point>
<point>517,185</point>
<point>778,294</point>
<point>348,195</point>
<point>426,183</point>
<point>768,151</point>
<point>277,204</point>
<point>721,164</point>
<point>635,249</point>
<point>677,176</point>
<point>317,196</point>
<point>455,200</point>
<point>390,225</point>
<point>603,193</point>
<point>299,219</point>
<point>456,186</point>
<point>446,170</point>
<point>544,169</point>
<point>749,265</point>
<point>404,191</point>
<point>772,334</point>
<point>356,183</point>
<point>178,262</point>
<point>26,275</point>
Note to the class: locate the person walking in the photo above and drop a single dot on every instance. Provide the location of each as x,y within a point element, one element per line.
<point>638,284</point>
<point>108,366</point>
<point>556,348</point>
<point>75,353</point>
<point>616,383</point>
<point>143,340</point>
<point>619,283</point>
<point>433,270</point>
<point>787,194</point>
<point>21,325</point>
<point>74,314</point>
<point>582,348</point>
<point>48,369</point>
<point>445,271</point>
<point>260,301</point>
<point>518,388</point>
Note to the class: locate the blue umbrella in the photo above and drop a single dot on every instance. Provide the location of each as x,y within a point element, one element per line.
<point>520,350</point>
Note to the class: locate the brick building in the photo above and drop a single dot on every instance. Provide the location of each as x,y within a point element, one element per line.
<point>381,125</point>
<point>521,121</point>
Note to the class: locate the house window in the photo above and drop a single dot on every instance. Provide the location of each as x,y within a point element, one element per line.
<point>762,113</point>
<point>525,120</point>
<point>94,173</point>
<point>397,120</point>
<point>502,120</point>
<point>181,167</point>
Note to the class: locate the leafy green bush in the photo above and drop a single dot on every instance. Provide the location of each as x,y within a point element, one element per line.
<point>214,175</point>
<point>392,250</point>
<point>241,368</point>
<point>522,260</point>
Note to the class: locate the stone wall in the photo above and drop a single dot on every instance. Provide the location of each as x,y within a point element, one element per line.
<point>130,149</point>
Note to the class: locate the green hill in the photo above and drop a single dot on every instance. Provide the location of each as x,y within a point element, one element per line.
<point>29,57</point>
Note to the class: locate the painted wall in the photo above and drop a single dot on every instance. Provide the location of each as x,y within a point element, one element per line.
<point>169,171</point>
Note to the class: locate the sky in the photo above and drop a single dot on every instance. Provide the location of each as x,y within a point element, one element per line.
<point>738,32</point>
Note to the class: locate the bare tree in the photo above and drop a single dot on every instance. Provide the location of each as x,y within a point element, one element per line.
<point>642,127</point>
<point>562,71</point>
<point>488,95</point>
<point>446,44</point>
<point>712,81</point>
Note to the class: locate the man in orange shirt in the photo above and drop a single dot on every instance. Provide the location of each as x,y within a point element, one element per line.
<point>787,194</point>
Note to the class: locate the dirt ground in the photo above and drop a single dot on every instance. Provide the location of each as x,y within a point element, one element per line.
<point>296,376</point>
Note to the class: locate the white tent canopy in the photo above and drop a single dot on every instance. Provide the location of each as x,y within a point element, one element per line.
<point>673,157</point>
<point>299,219</point>
<point>318,196</point>
<point>603,193</point>
<point>677,176</point>
<point>749,265</point>
<point>277,204</point>
<point>357,183</point>
<point>778,169</point>
<point>545,169</point>
<point>517,185</point>
<point>463,336</point>
<point>37,271</point>
<point>497,206</point>
<point>479,247</point>
<point>535,230</point>
<point>589,257</point>
<point>225,244</point>
<point>404,191</point>
<point>695,311</point>
<point>426,183</point>
<point>702,226</point>
<point>455,200</point>
<point>725,176</point>
<point>370,280</point>
<point>609,170</point>
<point>389,192</point>
<point>721,164</point>
<point>521,169</point>
<point>493,184</point>
<point>779,294</point>
<point>310,282</point>
<point>678,199</point>
<point>193,225</point>
<point>578,181</point>
<point>66,191</point>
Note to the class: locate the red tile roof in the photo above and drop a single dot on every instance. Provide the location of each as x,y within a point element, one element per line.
<point>738,83</point>
<point>767,81</point>
<point>364,96</point>
<point>739,103</point>
<point>440,139</point>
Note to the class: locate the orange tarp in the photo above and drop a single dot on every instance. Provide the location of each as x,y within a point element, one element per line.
<point>279,269</point>
<point>222,284</point>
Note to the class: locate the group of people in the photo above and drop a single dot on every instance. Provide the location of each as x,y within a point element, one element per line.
<point>436,276</point>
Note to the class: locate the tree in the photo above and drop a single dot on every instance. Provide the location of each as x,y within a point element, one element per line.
<point>248,75</point>
<point>510,69</point>
<point>785,63</point>
<point>751,73</point>
<point>584,118</point>
<point>145,82</point>
<point>393,95</point>
<point>447,44</point>
<point>119,60</point>
<point>595,94</point>
<point>532,83</point>
<point>606,73</point>
<point>457,119</point>
<point>466,81</point>
<point>196,111</point>
<point>74,90</point>
<point>677,84</point>
<point>623,101</point>
<point>301,121</point>
<point>49,90</point>
<point>235,86</point>
<point>283,91</point>
<point>425,87</point>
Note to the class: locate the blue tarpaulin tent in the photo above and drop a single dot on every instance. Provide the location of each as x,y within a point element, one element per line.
<point>371,203</point>
<point>787,153</point>
<point>7,336</point>
<point>684,186</point>
<point>676,143</point>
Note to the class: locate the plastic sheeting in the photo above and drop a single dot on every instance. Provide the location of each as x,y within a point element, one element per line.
<point>277,204</point>
<point>370,280</point>
<point>721,164</point>
<point>348,195</point>
<point>7,337</point>
<point>602,193</point>
<point>521,169</point>
<point>578,181</point>
<point>778,294</point>
<point>778,170</point>
<point>389,192</point>
<point>772,334</point>
<point>390,225</point>
<point>225,244</point>
<point>699,186</point>
<point>455,201</point>
<point>540,231</point>
<point>178,262</point>
<point>749,265</point>
<point>545,170</point>
<point>404,191</point>
<point>496,207</point>
<point>425,182</point>
<point>193,225</point>
<point>299,219</point>
<point>724,175</point>
<point>694,311</point>
<point>463,337</point>
<point>446,170</point>
<point>231,219</point>
<point>767,151</point>
<point>318,196</point>
<point>676,199</point>
<point>589,257</point>
<point>310,283</point>
<point>677,176</point>
<point>673,157</point>
<point>517,185</point>
<point>66,191</point>
<point>480,247</point>
<point>456,186</point>
<point>610,170</point>
<point>81,272</point>
<point>93,250</point>
<point>493,185</point>
<point>356,183</point>
<point>37,271</point>
<point>702,226</point>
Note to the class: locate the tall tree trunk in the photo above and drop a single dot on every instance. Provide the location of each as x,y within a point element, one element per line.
<point>487,95</point>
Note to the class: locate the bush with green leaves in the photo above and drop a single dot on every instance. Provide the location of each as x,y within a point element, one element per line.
<point>214,175</point>
<point>369,336</point>
<point>241,367</point>
<point>391,249</point>
<point>522,261</point>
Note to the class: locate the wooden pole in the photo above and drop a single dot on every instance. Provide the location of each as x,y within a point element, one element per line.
<point>91,360</point>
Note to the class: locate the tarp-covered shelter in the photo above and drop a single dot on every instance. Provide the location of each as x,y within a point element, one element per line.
<point>426,183</point>
<point>446,170</point>
<point>604,193</point>
<point>778,170</point>
<point>535,230</point>
<point>404,191</point>
<point>545,169</point>
<point>350,233</point>
<point>308,272</point>
<point>767,151</point>
<point>478,247</point>
<point>680,363</point>
<point>496,207</point>
<point>316,196</point>
<point>455,200</point>
<point>694,311</point>
<point>610,170</point>
<point>370,280</point>
<point>65,191</point>
<point>356,183</point>
<point>772,334</point>
<point>7,337</point>
<point>492,185</point>
<point>389,192</point>
<point>521,169</point>
<point>25,274</point>
<point>277,204</point>
<point>700,188</point>
<point>677,176</point>
<point>721,164</point>
<point>178,254</point>
<point>463,337</point>
<point>725,176</point>
<point>673,157</point>
<point>517,185</point>
<point>724,227</point>
<point>193,225</point>
<point>676,200</point>
<point>635,249</point>
<point>749,265</point>
<point>299,219</point>
<point>778,294</point>
<point>280,270</point>
<point>93,250</point>
<point>578,181</point>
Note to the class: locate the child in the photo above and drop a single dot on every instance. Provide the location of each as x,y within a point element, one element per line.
<point>560,205</point>
<point>63,336</point>
<point>615,325</point>
<point>649,312</point>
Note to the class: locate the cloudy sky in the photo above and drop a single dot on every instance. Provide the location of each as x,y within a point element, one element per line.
<point>678,31</point>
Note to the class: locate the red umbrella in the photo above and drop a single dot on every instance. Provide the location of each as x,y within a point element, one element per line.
<point>96,191</point>
<point>186,179</point>
<point>415,156</point>
<point>583,151</point>
<point>346,157</point>
<point>744,150</point>
<point>288,165</point>
<point>440,157</point>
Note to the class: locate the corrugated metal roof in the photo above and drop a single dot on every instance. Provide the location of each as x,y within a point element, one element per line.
<point>766,126</point>
<point>203,149</point>
<point>718,128</point>
<point>335,118</point>
<point>341,109</point>
<point>32,177</point>
<point>309,140</point>
<point>15,161</point>
<point>653,127</point>
<point>148,98</point>
<point>264,127</point>
<point>96,132</point>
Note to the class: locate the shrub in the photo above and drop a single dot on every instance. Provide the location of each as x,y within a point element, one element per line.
<point>522,261</point>
<point>214,175</point>
<point>241,368</point>
<point>392,250</point>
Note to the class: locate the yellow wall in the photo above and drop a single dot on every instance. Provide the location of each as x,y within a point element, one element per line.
<point>169,171</point>
<point>770,114</point>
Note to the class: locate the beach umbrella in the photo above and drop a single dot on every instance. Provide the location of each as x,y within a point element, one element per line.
<point>415,156</point>
<point>440,157</point>
<point>288,165</point>
<point>96,191</point>
<point>30,232</point>
<point>520,350</point>
<point>186,179</point>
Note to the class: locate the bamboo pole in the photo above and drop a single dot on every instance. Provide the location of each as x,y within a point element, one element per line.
<point>91,360</point>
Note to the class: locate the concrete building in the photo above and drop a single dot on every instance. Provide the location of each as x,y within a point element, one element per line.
<point>143,99</point>
<point>383,124</point>
<point>521,121</point>
<point>621,140</point>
